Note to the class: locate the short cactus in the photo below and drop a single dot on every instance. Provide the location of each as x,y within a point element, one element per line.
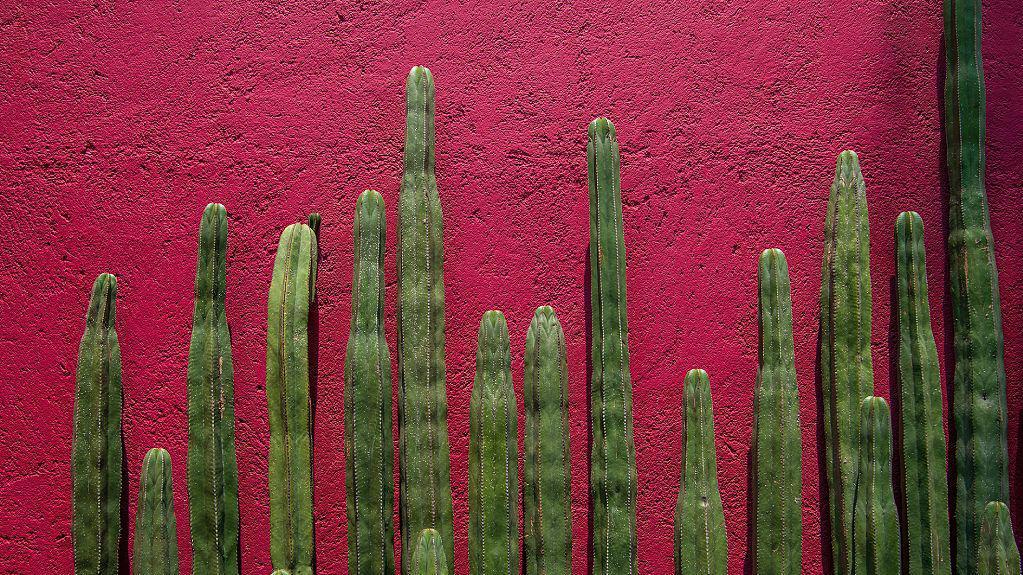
<point>369,450</point>
<point>701,546</point>
<point>424,459</point>
<point>97,453</point>
<point>288,397</point>
<point>875,541</point>
<point>924,487</point>
<point>847,373</point>
<point>777,442</point>
<point>997,553</point>
<point>156,534</point>
<point>212,466</point>
<point>613,449</point>
<point>429,558</point>
<point>547,481</point>
<point>493,455</point>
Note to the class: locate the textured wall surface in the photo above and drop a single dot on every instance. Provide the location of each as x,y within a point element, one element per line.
<point>121,120</point>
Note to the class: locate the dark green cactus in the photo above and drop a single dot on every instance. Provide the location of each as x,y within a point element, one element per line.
<point>369,450</point>
<point>493,455</point>
<point>613,451</point>
<point>288,396</point>
<point>547,481</point>
<point>875,542</point>
<point>777,442</point>
<point>701,547</point>
<point>97,452</point>
<point>156,529</point>
<point>978,386</point>
<point>212,466</point>
<point>925,487</point>
<point>847,373</point>
<point>424,459</point>
<point>997,553</point>
<point>429,556</point>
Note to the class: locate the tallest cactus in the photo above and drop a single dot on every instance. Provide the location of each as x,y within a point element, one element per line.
<point>978,387</point>
<point>422,410</point>
<point>613,455</point>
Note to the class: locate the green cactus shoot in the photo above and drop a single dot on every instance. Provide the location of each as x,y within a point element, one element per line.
<point>875,541</point>
<point>429,557</point>
<point>156,534</point>
<point>997,553</point>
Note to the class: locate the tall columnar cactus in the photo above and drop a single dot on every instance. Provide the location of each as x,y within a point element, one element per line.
<point>875,542</point>
<point>997,553</point>
<point>547,477</point>
<point>978,386</point>
<point>369,447</point>
<point>212,466</point>
<point>288,398</point>
<point>701,546</point>
<point>424,460</point>
<point>97,453</point>
<point>847,374</point>
<point>156,534</point>
<point>613,451</point>
<point>429,557</point>
<point>493,455</point>
<point>925,487</point>
<point>777,442</point>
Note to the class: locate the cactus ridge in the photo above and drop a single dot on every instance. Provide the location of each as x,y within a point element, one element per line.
<point>875,543</point>
<point>613,450</point>
<point>97,454</point>
<point>288,374</point>
<point>777,442</point>
<point>424,458</point>
<point>156,538</point>
<point>997,553</point>
<point>369,443</point>
<point>846,368</point>
<point>493,455</point>
<point>925,486</point>
<point>547,513</point>
<point>429,555</point>
<point>212,464</point>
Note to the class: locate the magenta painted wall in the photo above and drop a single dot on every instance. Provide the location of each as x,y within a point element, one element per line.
<point>121,120</point>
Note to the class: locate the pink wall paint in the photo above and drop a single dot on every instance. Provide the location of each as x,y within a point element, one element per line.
<point>122,120</point>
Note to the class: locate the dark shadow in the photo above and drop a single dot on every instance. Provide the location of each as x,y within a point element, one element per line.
<point>749,562</point>
<point>123,554</point>
<point>241,560</point>
<point>827,562</point>
<point>314,364</point>
<point>895,395</point>
<point>587,309</point>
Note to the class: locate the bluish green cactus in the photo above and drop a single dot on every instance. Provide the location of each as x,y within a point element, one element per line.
<point>997,553</point>
<point>429,557</point>
<point>156,533</point>
<point>875,540</point>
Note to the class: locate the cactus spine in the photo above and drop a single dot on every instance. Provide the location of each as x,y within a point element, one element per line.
<point>212,467</point>
<point>288,397</point>
<point>875,543</point>
<point>368,440</point>
<point>613,451</point>
<point>429,556</point>
<point>701,547</point>
<point>156,535</point>
<point>978,385</point>
<point>777,442</point>
<point>97,452</point>
<point>997,553</point>
<point>925,486</point>
<point>424,463</point>
<point>547,477</point>
<point>493,455</point>
<point>847,374</point>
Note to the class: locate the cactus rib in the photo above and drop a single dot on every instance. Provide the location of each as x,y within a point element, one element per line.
<point>875,542</point>
<point>997,553</point>
<point>156,538</point>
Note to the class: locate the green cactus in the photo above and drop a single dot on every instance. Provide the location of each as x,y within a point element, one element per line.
<point>613,450</point>
<point>156,531</point>
<point>429,556</point>
<point>369,447</point>
<point>547,481</point>
<point>701,546</point>
<point>847,374</point>
<point>875,541</point>
<point>424,459</point>
<point>997,553</point>
<point>777,442</point>
<point>97,452</point>
<point>978,386</point>
<point>288,398</point>
<point>493,455</point>
<point>212,466</point>
<point>924,487</point>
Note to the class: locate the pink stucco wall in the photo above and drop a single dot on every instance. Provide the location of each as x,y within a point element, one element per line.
<point>119,121</point>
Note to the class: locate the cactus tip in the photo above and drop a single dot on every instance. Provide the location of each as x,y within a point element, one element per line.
<point>601,129</point>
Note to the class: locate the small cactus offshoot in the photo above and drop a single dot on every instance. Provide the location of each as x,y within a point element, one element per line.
<point>156,534</point>
<point>875,540</point>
